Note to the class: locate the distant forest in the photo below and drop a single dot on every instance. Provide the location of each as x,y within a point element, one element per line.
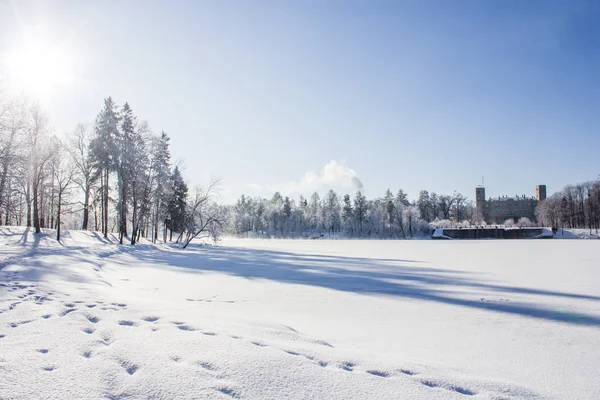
<point>576,206</point>
<point>116,176</point>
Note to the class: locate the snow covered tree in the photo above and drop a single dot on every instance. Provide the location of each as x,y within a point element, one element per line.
<point>103,153</point>
<point>161,156</point>
<point>204,218</point>
<point>331,211</point>
<point>360,211</point>
<point>176,207</point>
<point>424,206</point>
<point>84,176</point>
<point>39,155</point>
<point>347,215</point>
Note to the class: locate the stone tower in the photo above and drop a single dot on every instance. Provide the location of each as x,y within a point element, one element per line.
<point>480,196</point>
<point>480,201</point>
<point>540,192</point>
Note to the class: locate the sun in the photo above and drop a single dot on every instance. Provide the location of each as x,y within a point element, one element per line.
<point>39,68</point>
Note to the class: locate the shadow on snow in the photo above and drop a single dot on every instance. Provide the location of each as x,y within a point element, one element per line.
<point>367,276</point>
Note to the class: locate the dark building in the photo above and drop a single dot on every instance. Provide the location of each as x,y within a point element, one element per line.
<point>498,210</point>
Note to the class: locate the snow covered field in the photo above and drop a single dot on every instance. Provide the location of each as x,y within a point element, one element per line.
<point>262,319</point>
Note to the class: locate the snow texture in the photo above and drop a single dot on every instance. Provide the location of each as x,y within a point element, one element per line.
<point>304,319</point>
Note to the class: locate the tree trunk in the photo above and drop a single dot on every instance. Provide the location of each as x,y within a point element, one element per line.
<point>86,207</point>
<point>58,216</point>
<point>96,218</point>
<point>123,213</point>
<point>134,221</point>
<point>106,203</point>
<point>28,200</point>
<point>102,223</point>
<point>36,211</point>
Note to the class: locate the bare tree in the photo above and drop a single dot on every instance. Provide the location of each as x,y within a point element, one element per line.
<point>204,218</point>
<point>84,177</point>
<point>39,155</point>
<point>64,172</point>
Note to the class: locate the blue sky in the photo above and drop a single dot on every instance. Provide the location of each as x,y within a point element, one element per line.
<point>404,94</point>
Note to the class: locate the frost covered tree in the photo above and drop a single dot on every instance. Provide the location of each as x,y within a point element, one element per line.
<point>84,176</point>
<point>360,211</point>
<point>424,206</point>
<point>39,155</point>
<point>63,173</point>
<point>103,153</point>
<point>331,212</point>
<point>161,156</point>
<point>204,217</point>
<point>177,204</point>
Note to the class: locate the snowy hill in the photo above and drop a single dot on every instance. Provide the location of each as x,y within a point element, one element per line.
<point>302,319</point>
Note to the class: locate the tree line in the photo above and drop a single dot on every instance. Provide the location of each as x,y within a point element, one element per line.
<point>575,206</point>
<point>387,216</point>
<point>114,177</point>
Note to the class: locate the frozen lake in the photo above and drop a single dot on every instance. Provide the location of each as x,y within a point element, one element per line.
<point>316,319</point>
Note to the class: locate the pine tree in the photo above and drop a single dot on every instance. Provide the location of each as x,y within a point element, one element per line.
<point>124,163</point>
<point>103,152</point>
<point>347,214</point>
<point>161,157</point>
<point>360,210</point>
<point>389,209</point>
<point>176,209</point>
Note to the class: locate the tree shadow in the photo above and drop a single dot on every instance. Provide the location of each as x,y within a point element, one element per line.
<point>368,276</point>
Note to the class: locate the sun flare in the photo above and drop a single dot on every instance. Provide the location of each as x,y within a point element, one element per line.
<point>40,68</point>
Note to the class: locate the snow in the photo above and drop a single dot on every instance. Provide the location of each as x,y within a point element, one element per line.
<point>302,319</point>
<point>576,234</point>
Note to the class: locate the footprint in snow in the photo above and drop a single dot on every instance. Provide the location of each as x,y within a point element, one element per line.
<point>92,319</point>
<point>15,324</point>
<point>49,368</point>
<point>382,374</point>
<point>129,367</point>
<point>347,366</point>
<point>229,392</point>
<point>43,351</point>
<point>206,365</point>
<point>126,323</point>
<point>186,328</point>
<point>89,331</point>
<point>323,343</point>
<point>450,387</point>
<point>150,319</point>
<point>70,310</point>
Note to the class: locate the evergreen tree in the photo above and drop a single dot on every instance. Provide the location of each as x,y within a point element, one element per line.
<point>347,215</point>
<point>124,164</point>
<point>360,210</point>
<point>103,153</point>
<point>161,156</point>
<point>176,209</point>
<point>389,209</point>
<point>424,205</point>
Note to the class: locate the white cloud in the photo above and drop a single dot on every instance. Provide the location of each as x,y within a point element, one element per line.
<point>334,175</point>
